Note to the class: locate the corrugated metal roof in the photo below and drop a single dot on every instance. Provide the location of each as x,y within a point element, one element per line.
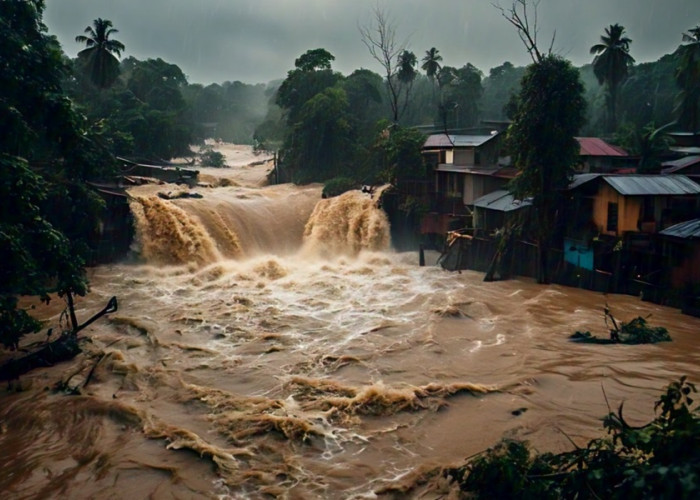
<point>691,150</point>
<point>639,185</point>
<point>594,146</point>
<point>466,169</point>
<point>687,230</point>
<point>501,201</point>
<point>680,164</point>
<point>459,141</point>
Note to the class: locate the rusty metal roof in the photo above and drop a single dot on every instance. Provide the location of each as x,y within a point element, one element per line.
<point>456,141</point>
<point>594,146</point>
<point>687,230</point>
<point>501,201</point>
<point>640,185</point>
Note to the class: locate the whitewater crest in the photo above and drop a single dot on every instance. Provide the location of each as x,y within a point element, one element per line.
<point>346,225</point>
<point>230,223</point>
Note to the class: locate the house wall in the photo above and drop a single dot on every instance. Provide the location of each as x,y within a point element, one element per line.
<point>488,153</point>
<point>464,157</point>
<point>628,210</point>
<point>488,220</point>
<point>476,186</point>
<point>689,269</point>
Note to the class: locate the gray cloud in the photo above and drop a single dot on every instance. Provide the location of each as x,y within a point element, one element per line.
<point>257,40</point>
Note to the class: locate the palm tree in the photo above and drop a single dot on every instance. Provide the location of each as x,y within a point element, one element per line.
<point>431,63</point>
<point>407,66</point>
<point>688,79</point>
<point>611,65</point>
<point>99,54</point>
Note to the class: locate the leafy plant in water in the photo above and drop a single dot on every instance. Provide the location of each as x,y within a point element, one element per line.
<point>636,331</point>
<point>211,158</point>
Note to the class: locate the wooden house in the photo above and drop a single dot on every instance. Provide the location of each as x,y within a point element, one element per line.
<point>465,167</point>
<point>620,204</point>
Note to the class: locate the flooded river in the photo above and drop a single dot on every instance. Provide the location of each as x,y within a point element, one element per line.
<point>269,342</point>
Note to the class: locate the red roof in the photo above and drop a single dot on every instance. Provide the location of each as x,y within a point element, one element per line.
<point>593,146</point>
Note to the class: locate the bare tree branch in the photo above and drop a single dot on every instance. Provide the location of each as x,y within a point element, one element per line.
<point>518,16</point>
<point>380,40</point>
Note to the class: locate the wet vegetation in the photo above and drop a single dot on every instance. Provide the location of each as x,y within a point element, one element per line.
<point>658,460</point>
<point>636,331</point>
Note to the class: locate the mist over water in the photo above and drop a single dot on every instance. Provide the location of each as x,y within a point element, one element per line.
<point>270,342</point>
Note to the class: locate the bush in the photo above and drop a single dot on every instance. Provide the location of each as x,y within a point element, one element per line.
<point>338,186</point>
<point>211,158</point>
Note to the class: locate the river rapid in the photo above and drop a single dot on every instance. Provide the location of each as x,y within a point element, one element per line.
<point>269,342</point>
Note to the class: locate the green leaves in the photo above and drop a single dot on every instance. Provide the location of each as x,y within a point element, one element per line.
<point>47,215</point>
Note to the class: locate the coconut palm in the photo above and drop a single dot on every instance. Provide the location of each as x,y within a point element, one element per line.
<point>407,66</point>
<point>611,65</point>
<point>431,63</point>
<point>99,55</point>
<point>688,79</point>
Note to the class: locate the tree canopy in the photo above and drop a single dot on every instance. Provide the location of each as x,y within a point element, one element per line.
<point>688,79</point>
<point>48,215</point>
<point>550,111</point>
<point>99,55</point>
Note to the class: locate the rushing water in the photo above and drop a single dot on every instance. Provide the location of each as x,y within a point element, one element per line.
<point>271,343</point>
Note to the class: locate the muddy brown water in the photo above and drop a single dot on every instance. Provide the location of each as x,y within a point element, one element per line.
<point>272,344</point>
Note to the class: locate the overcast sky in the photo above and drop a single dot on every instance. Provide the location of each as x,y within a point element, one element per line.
<point>256,41</point>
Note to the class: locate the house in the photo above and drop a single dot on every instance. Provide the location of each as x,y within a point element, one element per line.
<point>465,168</point>
<point>495,210</point>
<point>597,156</point>
<point>618,204</point>
<point>681,251</point>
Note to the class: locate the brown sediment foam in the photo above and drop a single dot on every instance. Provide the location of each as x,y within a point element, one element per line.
<point>271,269</point>
<point>239,418</point>
<point>178,439</point>
<point>378,399</point>
<point>346,224</point>
<point>169,235</point>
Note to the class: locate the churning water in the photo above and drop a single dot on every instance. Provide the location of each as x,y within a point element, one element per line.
<point>270,342</point>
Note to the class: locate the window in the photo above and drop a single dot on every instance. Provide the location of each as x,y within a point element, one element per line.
<point>612,217</point>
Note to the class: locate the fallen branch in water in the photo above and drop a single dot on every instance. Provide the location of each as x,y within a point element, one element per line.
<point>64,348</point>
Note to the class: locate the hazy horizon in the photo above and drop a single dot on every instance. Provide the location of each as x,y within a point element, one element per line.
<point>214,41</point>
